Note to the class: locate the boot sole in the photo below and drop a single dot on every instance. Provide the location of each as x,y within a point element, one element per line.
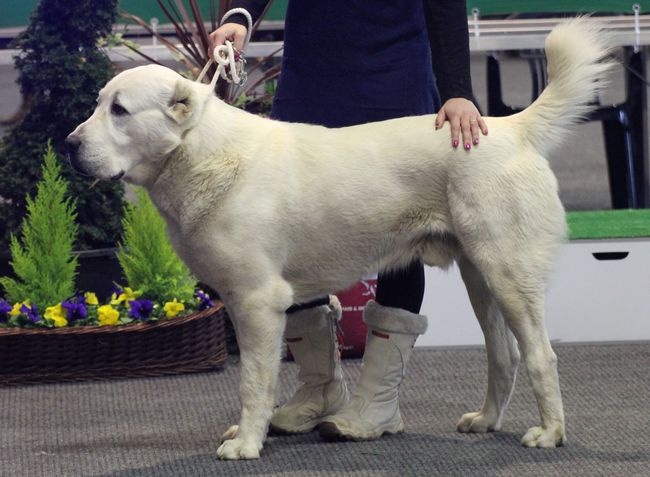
<point>304,429</point>
<point>331,433</point>
<point>278,431</point>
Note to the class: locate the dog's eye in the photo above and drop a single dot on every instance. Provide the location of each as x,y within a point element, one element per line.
<point>118,110</point>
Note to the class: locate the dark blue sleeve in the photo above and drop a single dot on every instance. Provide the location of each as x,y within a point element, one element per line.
<point>449,40</point>
<point>254,7</point>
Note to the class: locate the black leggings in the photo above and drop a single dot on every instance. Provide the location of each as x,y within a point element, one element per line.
<point>402,288</point>
<point>398,289</point>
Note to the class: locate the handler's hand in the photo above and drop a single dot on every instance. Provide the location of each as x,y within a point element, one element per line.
<point>228,31</point>
<point>463,117</point>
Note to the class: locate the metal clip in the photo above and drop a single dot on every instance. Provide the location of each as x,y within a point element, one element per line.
<point>636,8</point>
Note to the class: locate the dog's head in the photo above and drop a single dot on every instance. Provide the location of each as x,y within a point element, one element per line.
<point>141,116</point>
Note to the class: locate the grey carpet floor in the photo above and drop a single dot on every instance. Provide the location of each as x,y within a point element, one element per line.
<point>169,426</point>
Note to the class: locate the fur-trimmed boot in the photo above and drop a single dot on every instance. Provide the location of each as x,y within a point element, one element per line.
<point>311,337</point>
<point>374,407</point>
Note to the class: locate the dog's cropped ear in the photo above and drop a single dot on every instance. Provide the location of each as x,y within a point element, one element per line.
<point>183,102</point>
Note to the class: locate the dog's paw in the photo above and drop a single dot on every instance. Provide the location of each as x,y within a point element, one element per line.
<point>476,422</point>
<point>231,433</point>
<point>238,448</point>
<point>544,438</point>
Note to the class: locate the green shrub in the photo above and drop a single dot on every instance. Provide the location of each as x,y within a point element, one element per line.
<point>42,260</point>
<point>60,72</point>
<point>147,258</point>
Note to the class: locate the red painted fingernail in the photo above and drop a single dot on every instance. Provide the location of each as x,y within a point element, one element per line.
<point>475,141</point>
<point>468,146</point>
<point>454,143</point>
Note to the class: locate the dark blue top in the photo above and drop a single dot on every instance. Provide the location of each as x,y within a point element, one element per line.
<point>348,62</point>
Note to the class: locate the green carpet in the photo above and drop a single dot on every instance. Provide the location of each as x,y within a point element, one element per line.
<point>603,224</point>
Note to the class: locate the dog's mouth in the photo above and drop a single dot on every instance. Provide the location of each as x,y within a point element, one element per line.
<point>72,160</point>
<point>80,170</point>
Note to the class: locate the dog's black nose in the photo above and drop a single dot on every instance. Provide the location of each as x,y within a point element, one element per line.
<point>72,143</point>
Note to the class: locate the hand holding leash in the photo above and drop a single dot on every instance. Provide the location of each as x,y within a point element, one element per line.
<point>230,60</point>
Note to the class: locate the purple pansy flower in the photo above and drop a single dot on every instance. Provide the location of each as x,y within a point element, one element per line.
<point>5,308</point>
<point>140,309</point>
<point>205,300</point>
<point>31,312</point>
<point>75,311</point>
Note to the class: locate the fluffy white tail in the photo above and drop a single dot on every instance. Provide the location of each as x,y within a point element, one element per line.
<point>576,53</point>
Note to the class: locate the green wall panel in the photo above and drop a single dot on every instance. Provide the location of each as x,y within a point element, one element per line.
<point>14,14</point>
<point>499,7</point>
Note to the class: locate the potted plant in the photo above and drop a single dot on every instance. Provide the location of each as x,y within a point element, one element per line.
<point>158,323</point>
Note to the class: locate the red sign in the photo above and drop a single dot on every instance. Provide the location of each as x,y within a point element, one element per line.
<point>353,301</point>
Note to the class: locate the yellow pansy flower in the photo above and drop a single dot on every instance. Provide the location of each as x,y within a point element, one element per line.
<point>127,295</point>
<point>116,300</point>
<point>59,321</point>
<point>91,298</point>
<point>173,308</point>
<point>57,314</point>
<point>107,315</point>
<point>15,311</point>
<point>130,294</point>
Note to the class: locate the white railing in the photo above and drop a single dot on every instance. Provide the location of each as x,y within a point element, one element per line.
<point>484,35</point>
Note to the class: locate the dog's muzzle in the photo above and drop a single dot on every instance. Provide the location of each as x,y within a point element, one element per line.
<point>72,144</point>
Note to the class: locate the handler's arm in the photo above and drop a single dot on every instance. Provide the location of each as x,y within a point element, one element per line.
<point>254,7</point>
<point>449,40</point>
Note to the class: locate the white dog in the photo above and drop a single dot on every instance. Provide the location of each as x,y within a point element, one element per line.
<point>259,210</point>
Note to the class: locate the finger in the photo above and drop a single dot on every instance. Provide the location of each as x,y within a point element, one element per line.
<point>467,133</point>
<point>473,124</point>
<point>482,125</point>
<point>440,119</point>
<point>455,131</point>
<point>239,38</point>
<point>217,38</point>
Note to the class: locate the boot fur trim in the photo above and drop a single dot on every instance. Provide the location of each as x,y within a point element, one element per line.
<point>393,320</point>
<point>313,319</point>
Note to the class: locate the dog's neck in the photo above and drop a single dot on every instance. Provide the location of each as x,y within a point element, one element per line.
<point>222,127</point>
<point>189,187</point>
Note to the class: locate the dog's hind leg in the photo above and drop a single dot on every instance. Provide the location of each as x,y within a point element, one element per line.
<point>502,354</point>
<point>260,322</point>
<point>519,291</point>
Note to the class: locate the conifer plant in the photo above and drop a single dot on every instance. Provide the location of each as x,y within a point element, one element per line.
<point>42,258</point>
<point>148,260</point>
<point>60,71</point>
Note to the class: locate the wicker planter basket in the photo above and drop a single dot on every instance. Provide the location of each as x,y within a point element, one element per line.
<point>187,344</point>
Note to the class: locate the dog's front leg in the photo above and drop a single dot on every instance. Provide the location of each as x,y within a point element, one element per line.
<point>259,323</point>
